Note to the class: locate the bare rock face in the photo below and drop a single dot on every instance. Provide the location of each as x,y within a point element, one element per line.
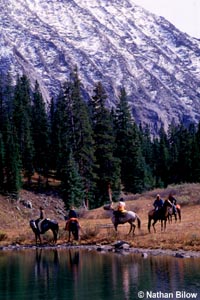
<point>115,42</point>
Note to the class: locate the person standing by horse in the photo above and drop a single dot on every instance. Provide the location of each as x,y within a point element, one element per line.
<point>158,203</point>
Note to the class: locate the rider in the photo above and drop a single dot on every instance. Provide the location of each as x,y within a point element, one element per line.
<point>41,218</point>
<point>158,203</point>
<point>173,200</point>
<point>120,208</point>
<point>72,216</point>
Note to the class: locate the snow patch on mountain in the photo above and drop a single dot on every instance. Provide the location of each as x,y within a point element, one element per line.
<point>115,42</point>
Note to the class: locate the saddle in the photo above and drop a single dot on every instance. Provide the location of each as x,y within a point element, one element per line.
<point>119,214</point>
<point>42,225</point>
<point>70,221</point>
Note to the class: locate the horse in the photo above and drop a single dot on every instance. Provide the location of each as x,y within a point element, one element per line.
<point>172,213</point>
<point>45,226</point>
<point>72,225</point>
<point>126,217</point>
<point>160,214</point>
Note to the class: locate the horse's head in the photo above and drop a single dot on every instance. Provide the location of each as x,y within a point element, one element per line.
<point>32,224</point>
<point>108,206</point>
<point>167,203</point>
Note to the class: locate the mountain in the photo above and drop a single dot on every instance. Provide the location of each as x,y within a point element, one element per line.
<point>115,42</point>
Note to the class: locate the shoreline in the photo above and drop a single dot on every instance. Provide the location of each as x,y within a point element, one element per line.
<point>108,248</point>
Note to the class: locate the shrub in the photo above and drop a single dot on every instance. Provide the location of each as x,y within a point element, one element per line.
<point>3,236</point>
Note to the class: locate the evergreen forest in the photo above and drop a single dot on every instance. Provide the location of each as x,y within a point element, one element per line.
<point>92,151</point>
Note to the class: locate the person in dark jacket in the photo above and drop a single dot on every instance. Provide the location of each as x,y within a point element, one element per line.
<point>158,203</point>
<point>72,213</point>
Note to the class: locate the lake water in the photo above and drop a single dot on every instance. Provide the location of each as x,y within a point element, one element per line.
<point>85,275</point>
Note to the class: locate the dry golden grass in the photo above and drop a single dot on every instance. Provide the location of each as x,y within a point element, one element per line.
<point>180,235</point>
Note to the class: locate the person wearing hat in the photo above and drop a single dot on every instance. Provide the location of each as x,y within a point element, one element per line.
<point>158,203</point>
<point>120,209</point>
<point>121,205</point>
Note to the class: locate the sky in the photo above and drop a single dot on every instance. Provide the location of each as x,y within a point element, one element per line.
<point>184,14</point>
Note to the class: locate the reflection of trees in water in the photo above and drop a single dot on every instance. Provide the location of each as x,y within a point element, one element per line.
<point>125,272</point>
<point>75,274</point>
<point>46,266</point>
<point>74,268</point>
<point>135,273</point>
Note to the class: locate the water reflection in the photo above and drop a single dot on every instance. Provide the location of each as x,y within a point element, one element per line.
<point>81,275</point>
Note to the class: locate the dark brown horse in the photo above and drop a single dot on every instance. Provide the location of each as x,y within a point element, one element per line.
<point>159,215</point>
<point>45,226</point>
<point>73,227</point>
<point>173,213</point>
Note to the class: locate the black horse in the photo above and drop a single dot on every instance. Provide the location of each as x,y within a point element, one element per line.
<point>45,226</point>
<point>72,225</point>
<point>160,214</point>
<point>174,213</point>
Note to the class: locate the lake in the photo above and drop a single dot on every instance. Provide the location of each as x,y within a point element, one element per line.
<point>81,274</point>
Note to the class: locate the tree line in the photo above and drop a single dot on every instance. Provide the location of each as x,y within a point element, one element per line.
<point>94,152</point>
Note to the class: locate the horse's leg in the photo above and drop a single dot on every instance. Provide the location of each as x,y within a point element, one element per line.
<point>165,223</point>
<point>69,235</point>
<point>161,225</point>
<point>36,238</point>
<point>175,216</point>
<point>149,224</point>
<point>154,223</point>
<point>131,226</point>
<point>179,214</point>
<point>54,236</point>
<point>39,237</point>
<point>170,218</point>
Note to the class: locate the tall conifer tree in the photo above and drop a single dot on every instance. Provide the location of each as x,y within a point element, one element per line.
<point>108,171</point>
<point>22,123</point>
<point>40,129</point>
<point>82,140</point>
<point>128,147</point>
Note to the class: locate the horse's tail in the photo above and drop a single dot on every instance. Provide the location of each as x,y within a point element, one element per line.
<point>149,223</point>
<point>56,231</point>
<point>178,207</point>
<point>53,225</point>
<point>138,222</point>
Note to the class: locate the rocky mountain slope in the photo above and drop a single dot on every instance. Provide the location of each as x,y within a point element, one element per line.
<point>115,42</point>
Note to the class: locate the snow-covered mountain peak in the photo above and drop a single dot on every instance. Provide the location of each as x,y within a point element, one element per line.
<point>115,42</point>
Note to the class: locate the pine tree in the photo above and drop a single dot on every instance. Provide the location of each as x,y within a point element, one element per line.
<point>22,123</point>
<point>40,129</point>
<point>147,153</point>
<point>108,171</point>
<point>52,136</point>
<point>72,188</point>
<point>128,147</point>
<point>195,166</point>
<point>2,163</point>
<point>12,161</point>
<point>60,134</point>
<point>81,141</point>
<point>184,163</point>
<point>161,159</point>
